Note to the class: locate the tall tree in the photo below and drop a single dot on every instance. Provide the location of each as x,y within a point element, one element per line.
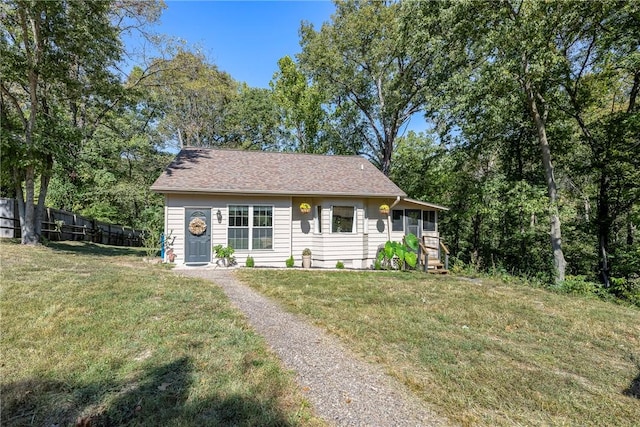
<point>57,58</point>
<point>601,82</point>
<point>253,121</point>
<point>516,43</point>
<point>193,97</point>
<point>300,105</point>
<point>365,62</point>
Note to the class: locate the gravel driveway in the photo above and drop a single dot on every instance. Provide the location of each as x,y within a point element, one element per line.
<point>343,389</point>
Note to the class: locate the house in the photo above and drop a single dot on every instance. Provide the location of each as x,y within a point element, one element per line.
<point>250,200</point>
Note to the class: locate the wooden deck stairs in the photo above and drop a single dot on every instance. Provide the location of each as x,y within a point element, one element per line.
<point>433,264</point>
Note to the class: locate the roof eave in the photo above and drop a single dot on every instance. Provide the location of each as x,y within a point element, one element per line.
<point>167,190</point>
<point>427,204</point>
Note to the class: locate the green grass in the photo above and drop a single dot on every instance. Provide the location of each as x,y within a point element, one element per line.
<point>94,336</point>
<point>479,352</point>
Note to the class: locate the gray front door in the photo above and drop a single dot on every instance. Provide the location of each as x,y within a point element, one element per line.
<point>412,218</point>
<point>197,236</point>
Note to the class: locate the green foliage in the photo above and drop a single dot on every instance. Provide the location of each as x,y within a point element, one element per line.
<point>59,87</point>
<point>193,96</point>
<point>300,105</point>
<point>225,255</point>
<point>151,242</point>
<point>340,265</point>
<point>306,252</point>
<point>400,254</point>
<point>223,252</point>
<point>250,263</point>
<point>57,64</point>
<point>375,81</point>
<point>290,262</point>
<point>252,121</point>
<point>626,289</point>
<point>578,285</point>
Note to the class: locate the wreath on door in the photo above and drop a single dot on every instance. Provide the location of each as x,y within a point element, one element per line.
<point>197,226</point>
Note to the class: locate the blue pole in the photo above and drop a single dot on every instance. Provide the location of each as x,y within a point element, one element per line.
<point>162,245</point>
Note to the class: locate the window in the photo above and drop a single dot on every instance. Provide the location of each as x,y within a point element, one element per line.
<point>429,220</point>
<point>397,223</point>
<point>319,219</point>
<point>239,227</point>
<point>342,219</point>
<point>259,231</point>
<point>262,227</point>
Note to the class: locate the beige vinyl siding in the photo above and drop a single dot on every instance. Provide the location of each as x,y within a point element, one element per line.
<point>174,229</point>
<point>378,228</point>
<point>330,247</point>
<point>276,257</point>
<point>292,230</point>
<point>303,230</point>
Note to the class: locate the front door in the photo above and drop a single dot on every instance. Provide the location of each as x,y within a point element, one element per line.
<point>412,222</point>
<point>197,236</point>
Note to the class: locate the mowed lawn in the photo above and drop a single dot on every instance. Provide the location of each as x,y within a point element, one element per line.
<point>94,336</point>
<point>479,352</point>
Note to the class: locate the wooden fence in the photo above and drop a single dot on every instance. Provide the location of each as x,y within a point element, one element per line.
<point>61,225</point>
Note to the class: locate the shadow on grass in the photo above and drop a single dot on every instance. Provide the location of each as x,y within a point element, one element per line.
<point>634,388</point>
<point>159,396</point>
<point>88,248</point>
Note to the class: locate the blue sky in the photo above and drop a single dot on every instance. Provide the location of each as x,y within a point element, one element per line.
<point>243,38</point>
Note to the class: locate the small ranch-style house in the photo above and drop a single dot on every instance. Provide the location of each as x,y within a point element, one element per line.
<point>251,201</point>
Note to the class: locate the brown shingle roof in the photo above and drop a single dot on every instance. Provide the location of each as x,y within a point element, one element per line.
<point>205,170</point>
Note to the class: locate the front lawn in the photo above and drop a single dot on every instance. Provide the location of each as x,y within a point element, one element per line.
<point>481,352</point>
<point>94,336</point>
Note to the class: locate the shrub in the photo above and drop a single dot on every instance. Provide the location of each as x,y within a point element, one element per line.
<point>377,265</point>
<point>306,252</point>
<point>290,262</point>
<point>225,253</point>
<point>250,262</point>
<point>578,285</point>
<point>340,265</point>
<point>400,254</point>
<point>626,289</point>
<point>151,242</point>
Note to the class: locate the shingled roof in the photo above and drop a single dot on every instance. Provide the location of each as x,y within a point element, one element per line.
<point>205,170</point>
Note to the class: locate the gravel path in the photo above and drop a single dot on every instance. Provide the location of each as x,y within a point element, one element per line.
<point>344,390</point>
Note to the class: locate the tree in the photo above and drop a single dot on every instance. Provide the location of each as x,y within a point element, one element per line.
<point>515,42</point>
<point>365,61</point>
<point>192,96</point>
<point>57,58</point>
<point>253,121</point>
<point>601,81</point>
<point>300,105</point>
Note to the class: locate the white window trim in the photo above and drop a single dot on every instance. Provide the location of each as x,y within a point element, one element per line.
<point>251,227</point>
<point>317,223</point>
<point>435,221</point>
<point>354,224</point>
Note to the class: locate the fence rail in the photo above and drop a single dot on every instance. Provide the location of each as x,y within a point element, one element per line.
<point>59,225</point>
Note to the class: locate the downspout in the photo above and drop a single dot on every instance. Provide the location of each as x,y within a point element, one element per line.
<point>389,216</point>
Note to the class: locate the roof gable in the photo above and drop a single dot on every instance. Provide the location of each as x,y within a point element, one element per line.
<point>206,170</point>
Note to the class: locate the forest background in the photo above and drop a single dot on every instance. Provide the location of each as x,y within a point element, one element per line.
<point>534,125</point>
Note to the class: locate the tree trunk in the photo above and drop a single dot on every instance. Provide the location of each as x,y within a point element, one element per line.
<point>28,220</point>
<point>45,178</point>
<point>559,263</point>
<point>604,227</point>
<point>387,151</point>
